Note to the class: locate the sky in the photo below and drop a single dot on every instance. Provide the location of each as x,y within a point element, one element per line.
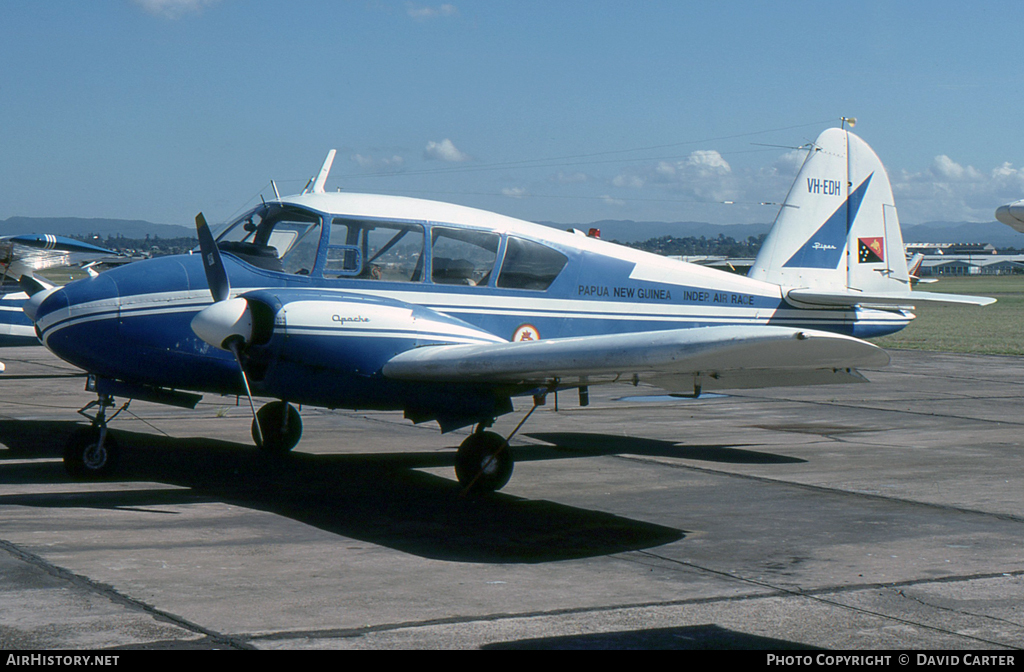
<point>570,111</point>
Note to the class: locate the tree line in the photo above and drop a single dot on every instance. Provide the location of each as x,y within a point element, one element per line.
<point>720,246</point>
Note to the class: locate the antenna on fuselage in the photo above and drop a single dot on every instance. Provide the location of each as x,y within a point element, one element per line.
<point>852,121</point>
<point>277,194</point>
<point>318,183</point>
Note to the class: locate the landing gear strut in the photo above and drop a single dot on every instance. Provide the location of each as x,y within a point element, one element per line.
<point>92,452</point>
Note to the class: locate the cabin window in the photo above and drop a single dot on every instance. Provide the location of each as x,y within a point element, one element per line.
<point>390,251</point>
<point>276,238</point>
<point>529,265</point>
<point>462,256</point>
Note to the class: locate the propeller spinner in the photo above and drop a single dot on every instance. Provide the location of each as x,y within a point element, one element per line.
<point>227,324</point>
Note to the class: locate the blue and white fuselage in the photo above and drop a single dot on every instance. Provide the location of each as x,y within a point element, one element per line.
<point>142,312</point>
<point>446,312</point>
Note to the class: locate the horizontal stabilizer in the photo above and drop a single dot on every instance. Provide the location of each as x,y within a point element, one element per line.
<point>677,359</point>
<point>850,298</point>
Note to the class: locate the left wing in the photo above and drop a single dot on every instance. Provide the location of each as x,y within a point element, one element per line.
<point>678,360</point>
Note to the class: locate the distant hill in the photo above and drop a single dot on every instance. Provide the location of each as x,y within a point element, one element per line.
<point>995,233</point>
<point>626,231</point>
<point>80,226</point>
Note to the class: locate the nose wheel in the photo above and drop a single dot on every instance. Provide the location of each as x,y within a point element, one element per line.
<point>92,452</point>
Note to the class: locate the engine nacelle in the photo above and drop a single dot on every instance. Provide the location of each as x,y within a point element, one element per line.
<point>1012,214</point>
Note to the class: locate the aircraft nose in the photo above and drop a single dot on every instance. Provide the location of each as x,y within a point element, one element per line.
<point>79,319</point>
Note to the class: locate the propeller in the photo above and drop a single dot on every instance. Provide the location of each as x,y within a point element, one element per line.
<point>226,324</point>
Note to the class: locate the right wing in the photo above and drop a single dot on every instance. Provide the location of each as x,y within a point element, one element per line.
<point>678,360</point>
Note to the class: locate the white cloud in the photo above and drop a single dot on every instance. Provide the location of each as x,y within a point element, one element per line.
<point>514,192</point>
<point>427,13</point>
<point>631,181</point>
<point>368,162</point>
<point>612,201</point>
<point>949,191</point>
<point>789,163</point>
<point>173,9</point>
<point>571,178</point>
<point>948,169</point>
<point>704,175</point>
<point>703,163</point>
<point>706,163</point>
<point>444,151</point>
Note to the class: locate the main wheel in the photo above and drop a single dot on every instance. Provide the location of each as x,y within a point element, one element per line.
<point>281,426</point>
<point>484,462</point>
<point>85,457</point>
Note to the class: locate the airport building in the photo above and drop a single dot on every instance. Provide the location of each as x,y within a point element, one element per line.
<point>964,259</point>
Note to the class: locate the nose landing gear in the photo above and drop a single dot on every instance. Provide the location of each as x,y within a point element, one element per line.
<point>92,452</point>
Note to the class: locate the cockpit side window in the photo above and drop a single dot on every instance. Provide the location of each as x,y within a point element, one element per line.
<point>375,250</point>
<point>462,256</point>
<point>276,238</point>
<point>529,265</point>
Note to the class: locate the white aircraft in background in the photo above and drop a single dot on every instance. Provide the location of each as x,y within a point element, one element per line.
<point>1012,214</point>
<point>21,258</point>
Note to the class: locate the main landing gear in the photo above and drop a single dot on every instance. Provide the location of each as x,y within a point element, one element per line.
<point>92,452</point>
<point>484,462</point>
<point>279,426</point>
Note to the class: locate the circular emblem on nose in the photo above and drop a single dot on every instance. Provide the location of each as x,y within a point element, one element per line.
<point>526,332</point>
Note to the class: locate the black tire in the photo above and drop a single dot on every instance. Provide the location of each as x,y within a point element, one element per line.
<point>484,462</point>
<point>281,425</point>
<point>85,458</point>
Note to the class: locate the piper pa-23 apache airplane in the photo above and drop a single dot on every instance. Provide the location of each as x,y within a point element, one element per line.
<point>447,313</point>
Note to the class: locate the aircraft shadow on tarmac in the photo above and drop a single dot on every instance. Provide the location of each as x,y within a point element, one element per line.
<point>379,498</point>
<point>584,444</point>
<point>691,638</point>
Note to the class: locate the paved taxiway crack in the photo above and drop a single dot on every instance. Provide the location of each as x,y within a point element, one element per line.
<point>822,488</point>
<point>213,638</point>
<point>818,595</point>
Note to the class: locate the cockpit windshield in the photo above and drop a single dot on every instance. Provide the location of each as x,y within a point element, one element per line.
<point>275,237</point>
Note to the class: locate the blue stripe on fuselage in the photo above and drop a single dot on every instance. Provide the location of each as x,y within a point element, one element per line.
<point>143,312</point>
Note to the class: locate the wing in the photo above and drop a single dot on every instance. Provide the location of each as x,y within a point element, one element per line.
<point>678,360</point>
<point>32,252</point>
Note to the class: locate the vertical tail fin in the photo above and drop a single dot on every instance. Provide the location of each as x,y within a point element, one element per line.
<point>838,228</point>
